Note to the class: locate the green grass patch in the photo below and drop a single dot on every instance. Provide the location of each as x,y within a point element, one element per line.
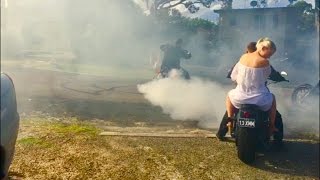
<point>75,129</point>
<point>34,141</point>
<point>58,127</point>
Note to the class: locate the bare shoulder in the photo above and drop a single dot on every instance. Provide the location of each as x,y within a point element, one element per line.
<point>262,63</point>
<point>243,58</point>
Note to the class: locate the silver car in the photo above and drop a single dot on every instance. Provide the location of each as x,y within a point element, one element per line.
<point>9,124</point>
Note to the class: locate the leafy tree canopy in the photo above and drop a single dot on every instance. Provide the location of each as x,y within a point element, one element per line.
<point>307,17</point>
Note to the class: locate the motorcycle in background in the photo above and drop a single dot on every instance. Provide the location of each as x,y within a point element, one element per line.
<point>155,62</point>
<point>304,94</point>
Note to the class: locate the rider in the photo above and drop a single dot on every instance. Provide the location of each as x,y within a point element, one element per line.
<point>172,56</point>
<point>274,76</point>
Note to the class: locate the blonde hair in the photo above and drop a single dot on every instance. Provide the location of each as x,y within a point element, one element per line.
<point>266,42</point>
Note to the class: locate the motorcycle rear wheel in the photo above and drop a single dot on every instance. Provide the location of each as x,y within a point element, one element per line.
<point>246,144</point>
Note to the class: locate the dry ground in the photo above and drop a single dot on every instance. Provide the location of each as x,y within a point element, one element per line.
<point>55,148</point>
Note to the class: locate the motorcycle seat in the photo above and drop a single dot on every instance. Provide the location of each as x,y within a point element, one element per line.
<point>250,106</point>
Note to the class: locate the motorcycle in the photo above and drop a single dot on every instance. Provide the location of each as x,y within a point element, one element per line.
<point>173,73</point>
<point>304,94</point>
<point>167,72</point>
<point>251,131</point>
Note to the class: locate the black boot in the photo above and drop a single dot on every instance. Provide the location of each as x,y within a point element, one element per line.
<point>223,129</point>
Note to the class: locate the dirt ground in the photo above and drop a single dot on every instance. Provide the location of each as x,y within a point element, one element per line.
<point>86,97</point>
<point>62,114</point>
<point>61,93</point>
<point>66,148</point>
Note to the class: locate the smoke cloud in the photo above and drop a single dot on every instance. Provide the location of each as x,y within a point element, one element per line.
<point>116,32</point>
<point>297,119</point>
<point>194,99</point>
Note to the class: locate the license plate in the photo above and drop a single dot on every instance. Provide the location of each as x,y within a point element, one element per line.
<point>247,122</point>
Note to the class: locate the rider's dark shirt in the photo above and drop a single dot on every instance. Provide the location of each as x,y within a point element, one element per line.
<point>172,56</point>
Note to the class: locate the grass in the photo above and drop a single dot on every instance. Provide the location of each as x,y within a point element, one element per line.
<point>34,141</point>
<point>75,129</point>
<point>76,151</point>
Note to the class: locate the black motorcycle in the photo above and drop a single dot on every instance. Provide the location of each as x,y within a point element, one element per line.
<point>164,71</point>
<point>251,132</point>
<point>173,73</point>
<point>304,94</point>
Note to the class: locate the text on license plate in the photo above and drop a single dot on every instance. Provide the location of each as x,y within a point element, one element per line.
<point>246,122</point>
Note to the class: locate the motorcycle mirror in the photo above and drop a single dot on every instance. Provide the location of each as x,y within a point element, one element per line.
<point>283,73</point>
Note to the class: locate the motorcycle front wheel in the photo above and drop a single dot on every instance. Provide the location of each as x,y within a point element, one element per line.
<point>299,94</point>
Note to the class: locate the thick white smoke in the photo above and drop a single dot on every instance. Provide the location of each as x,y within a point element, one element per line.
<point>297,119</point>
<point>194,99</point>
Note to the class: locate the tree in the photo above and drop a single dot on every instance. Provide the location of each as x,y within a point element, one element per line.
<point>190,5</point>
<point>156,5</point>
<point>259,3</point>
<point>307,17</point>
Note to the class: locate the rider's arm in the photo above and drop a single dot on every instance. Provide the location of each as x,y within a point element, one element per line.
<point>186,54</point>
<point>276,76</point>
<point>229,72</point>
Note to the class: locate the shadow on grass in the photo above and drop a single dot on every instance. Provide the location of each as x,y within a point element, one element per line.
<point>295,158</point>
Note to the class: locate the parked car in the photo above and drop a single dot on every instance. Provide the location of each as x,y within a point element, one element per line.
<point>9,124</point>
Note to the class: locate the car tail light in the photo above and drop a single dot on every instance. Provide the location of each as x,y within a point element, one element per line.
<point>246,114</point>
